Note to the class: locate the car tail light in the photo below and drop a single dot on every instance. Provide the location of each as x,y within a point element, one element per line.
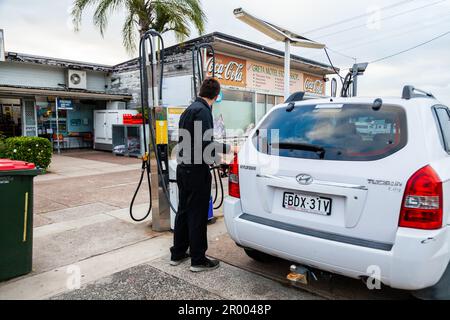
<point>422,202</point>
<point>233,179</point>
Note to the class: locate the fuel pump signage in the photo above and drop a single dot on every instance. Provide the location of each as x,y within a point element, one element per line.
<point>161,126</point>
<point>173,120</point>
<point>162,132</point>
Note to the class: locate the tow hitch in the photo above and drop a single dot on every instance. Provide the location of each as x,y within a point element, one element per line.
<point>300,274</point>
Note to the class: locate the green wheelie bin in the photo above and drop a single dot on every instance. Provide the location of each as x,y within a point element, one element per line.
<point>16,217</point>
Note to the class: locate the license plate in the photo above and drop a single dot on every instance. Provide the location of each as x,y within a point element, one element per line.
<point>308,204</point>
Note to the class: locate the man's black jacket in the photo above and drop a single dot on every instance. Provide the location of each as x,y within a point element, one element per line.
<point>199,112</point>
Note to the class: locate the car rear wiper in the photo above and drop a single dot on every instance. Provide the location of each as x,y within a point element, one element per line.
<point>300,146</point>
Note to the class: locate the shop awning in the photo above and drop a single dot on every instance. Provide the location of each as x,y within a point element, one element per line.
<point>51,92</point>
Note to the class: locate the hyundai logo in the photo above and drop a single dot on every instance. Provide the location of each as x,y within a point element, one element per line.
<point>304,179</point>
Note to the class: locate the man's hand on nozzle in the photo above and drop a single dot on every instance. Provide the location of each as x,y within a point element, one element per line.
<point>235,149</point>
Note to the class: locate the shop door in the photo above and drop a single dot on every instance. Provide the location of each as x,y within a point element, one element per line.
<point>100,126</point>
<point>29,118</point>
<point>111,119</point>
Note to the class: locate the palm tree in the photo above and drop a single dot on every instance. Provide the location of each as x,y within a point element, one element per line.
<point>143,15</point>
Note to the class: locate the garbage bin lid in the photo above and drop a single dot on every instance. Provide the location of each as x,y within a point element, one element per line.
<point>11,165</point>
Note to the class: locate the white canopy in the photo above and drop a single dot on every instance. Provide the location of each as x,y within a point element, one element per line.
<point>275,32</point>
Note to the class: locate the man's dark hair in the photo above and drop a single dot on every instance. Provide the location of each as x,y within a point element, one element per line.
<point>210,88</point>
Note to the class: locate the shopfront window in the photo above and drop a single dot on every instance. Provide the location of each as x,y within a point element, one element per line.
<point>238,112</point>
<point>46,119</point>
<point>10,117</point>
<point>279,100</point>
<point>264,103</point>
<point>270,102</point>
<point>235,114</point>
<point>260,106</point>
<point>75,121</point>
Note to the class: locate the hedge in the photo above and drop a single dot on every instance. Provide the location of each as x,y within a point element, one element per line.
<point>2,146</point>
<point>30,149</point>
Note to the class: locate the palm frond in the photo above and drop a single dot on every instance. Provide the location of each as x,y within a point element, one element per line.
<point>104,8</point>
<point>196,15</point>
<point>77,11</point>
<point>129,31</point>
<point>162,15</point>
<point>176,15</point>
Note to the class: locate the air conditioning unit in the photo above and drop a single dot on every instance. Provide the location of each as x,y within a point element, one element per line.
<point>76,79</point>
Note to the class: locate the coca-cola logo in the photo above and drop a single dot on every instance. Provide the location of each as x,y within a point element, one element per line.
<point>314,86</point>
<point>231,71</point>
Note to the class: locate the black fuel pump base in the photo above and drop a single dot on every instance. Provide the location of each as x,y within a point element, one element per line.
<point>161,205</point>
<point>163,155</point>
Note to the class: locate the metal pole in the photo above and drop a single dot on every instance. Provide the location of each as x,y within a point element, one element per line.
<point>161,207</point>
<point>287,69</point>
<point>57,125</point>
<point>155,71</point>
<point>205,62</point>
<point>355,81</point>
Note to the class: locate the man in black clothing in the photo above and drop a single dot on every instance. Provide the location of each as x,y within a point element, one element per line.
<point>197,151</point>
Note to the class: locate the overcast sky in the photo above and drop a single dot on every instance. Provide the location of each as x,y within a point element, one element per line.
<point>43,27</point>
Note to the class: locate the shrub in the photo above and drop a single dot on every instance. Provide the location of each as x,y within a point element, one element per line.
<point>30,149</point>
<point>2,146</point>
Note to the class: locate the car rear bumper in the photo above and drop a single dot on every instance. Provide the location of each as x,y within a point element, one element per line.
<point>417,259</point>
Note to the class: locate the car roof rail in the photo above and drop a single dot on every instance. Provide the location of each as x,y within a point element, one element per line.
<point>301,96</point>
<point>410,92</point>
<point>297,96</point>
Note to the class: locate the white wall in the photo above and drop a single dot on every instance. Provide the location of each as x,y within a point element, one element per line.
<point>30,75</point>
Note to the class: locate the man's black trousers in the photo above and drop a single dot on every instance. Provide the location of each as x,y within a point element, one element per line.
<point>194,189</point>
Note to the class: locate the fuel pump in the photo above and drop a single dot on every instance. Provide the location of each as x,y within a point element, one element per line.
<point>350,83</point>
<point>158,180</point>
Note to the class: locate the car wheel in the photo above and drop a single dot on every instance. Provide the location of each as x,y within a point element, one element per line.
<point>259,256</point>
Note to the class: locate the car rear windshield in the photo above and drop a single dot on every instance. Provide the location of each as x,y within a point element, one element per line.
<point>341,132</point>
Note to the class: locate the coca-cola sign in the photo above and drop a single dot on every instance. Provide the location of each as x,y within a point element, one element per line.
<point>315,86</point>
<point>230,71</point>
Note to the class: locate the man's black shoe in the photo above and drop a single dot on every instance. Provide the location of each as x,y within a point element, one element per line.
<point>208,265</point>
<point>177,262</point>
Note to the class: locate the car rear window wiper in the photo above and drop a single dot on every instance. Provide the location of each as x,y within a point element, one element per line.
<point>300,146</point>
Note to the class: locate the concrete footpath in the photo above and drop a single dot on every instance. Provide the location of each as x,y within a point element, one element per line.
<point>87,247</point>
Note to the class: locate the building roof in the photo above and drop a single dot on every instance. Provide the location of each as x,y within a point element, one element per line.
<point>224,38</point>
<point>215,37</point>
<point>63,93</point>
<point>56,62</point>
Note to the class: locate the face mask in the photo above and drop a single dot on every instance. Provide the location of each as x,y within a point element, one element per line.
<point>214,101</point>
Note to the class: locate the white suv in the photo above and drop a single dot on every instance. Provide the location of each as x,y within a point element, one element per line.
<point>347,185</point>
